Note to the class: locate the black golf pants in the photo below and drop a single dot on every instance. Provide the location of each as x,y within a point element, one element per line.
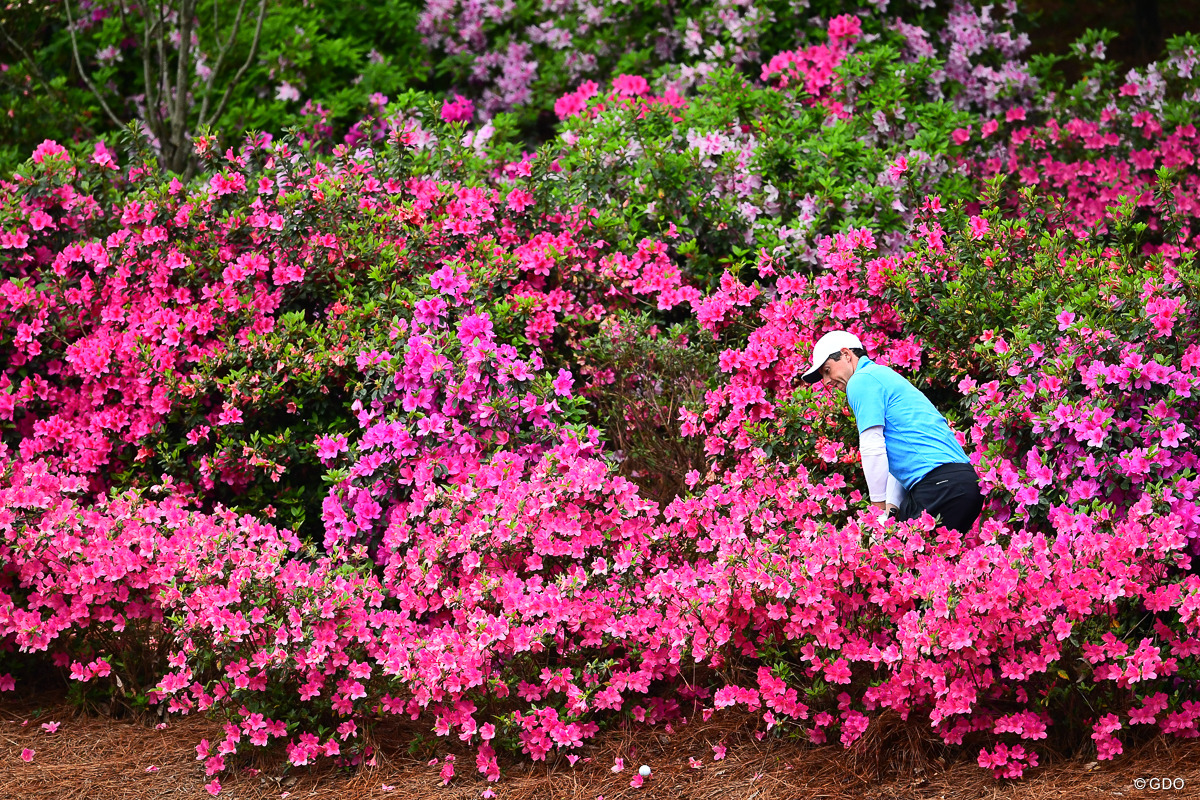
<point>950,492</point>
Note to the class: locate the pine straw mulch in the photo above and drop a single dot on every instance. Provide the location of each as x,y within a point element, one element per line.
<point>99,758</point>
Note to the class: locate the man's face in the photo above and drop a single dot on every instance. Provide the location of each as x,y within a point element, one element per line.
<point>835,374</point>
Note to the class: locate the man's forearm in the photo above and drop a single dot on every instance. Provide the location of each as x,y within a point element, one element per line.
<point>873,449</point>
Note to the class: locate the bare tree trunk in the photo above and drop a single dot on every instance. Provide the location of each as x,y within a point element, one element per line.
<point>182,108</point>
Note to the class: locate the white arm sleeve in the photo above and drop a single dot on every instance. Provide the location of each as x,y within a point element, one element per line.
<point>895,491</point>
<point>872,447</point>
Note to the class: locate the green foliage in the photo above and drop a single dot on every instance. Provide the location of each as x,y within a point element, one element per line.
<point>789,171</point>
<point>338,54</point>
<point>293,384</point>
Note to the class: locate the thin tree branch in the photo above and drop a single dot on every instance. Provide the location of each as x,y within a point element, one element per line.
<point>224,49</point>
<point>151,87</point>
<point>166,91</point>
<point>262,13</point>
<point>124,14</point>
<point>179,116</point>
<point>82,73</point>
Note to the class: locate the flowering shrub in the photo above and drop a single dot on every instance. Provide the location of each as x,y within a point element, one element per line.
<point>1092,154</point>
<point>331,71</point>
<point>513,442</point>
<point>517,57</point>
<point>1064,496</point>
<point>741,168</point>
<point>1094,356</point>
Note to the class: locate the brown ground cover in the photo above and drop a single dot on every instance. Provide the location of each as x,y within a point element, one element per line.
<point>96,758</point>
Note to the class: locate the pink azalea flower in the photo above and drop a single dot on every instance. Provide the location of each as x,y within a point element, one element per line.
<point>844,27</point>
<point>328,447</point>
<point>458,109</point>
<point>49,149</point>
<point>563,383</point>
<point>103,157</point>
<point>630,85</point>
<point>519,200</point>
<point>286,92</point>
<point>230,415</point>
<point>39,220</point>
<point>979,227</point>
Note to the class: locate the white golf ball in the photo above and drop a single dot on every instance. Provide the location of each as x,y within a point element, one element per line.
<point>644,771</point>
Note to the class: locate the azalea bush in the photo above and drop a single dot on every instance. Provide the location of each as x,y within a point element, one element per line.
<point>1096,154</point>
<point>517,57</point>
<point>1094,356</point>
<point>742,167</point>
<point>513,442</point>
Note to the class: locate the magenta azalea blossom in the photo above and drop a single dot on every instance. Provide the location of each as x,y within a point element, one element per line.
<point>563,383</point>
<point>328,447</point>
<point>50,149</point>
<point>458,109</point>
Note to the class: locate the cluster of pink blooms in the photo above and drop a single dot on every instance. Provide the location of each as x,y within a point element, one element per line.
<point>814,67</point>
<point>458,109</point>
<point>1091,163</point>
<point>627,91</point>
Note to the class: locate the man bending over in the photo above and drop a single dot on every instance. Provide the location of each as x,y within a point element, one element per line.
<point>901,436</point>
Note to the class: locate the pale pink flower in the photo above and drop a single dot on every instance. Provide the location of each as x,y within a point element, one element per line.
<point>286,92</point>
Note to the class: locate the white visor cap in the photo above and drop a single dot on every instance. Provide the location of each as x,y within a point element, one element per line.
<point>827,345</point>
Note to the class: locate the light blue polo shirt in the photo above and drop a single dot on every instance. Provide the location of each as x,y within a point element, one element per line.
<point>917,436</point>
